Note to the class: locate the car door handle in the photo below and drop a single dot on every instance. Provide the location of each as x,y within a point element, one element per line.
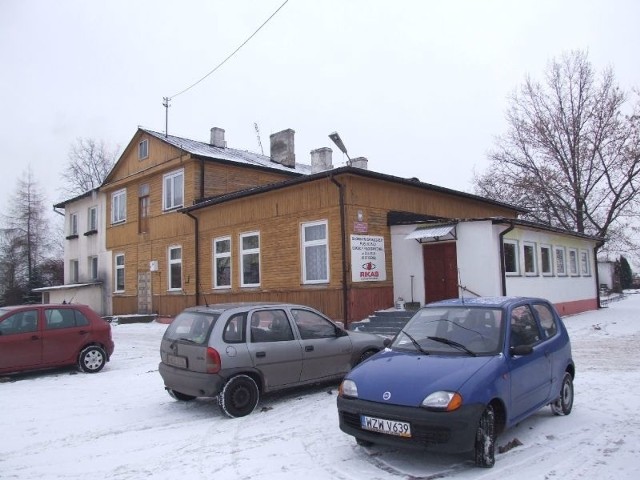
<point>35,337</point>
<point>308,348</point>
<point>261,354</point>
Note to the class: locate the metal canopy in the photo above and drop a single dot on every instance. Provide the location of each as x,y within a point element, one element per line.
<point>433,234</point>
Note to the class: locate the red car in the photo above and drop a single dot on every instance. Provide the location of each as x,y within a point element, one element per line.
<point>34,337</point>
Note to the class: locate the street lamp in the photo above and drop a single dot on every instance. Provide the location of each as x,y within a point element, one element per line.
<point>335,138</point>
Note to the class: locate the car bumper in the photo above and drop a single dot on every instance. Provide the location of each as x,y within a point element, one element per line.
<point>446,432</point>
<point>190,383</point>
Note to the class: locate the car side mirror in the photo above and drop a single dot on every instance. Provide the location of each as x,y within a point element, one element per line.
<point>386,342</point>
<point>521,350</point>
<point>340,332</point>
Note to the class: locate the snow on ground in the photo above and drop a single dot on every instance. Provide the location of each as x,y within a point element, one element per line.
<point>121,424</point>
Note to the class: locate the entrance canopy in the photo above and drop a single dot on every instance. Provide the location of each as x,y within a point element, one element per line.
<point>435,233</point>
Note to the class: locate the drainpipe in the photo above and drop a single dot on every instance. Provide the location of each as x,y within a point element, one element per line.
<point>197,247</point>
<point>597,276</point>
<point>343,234</point>
<point>503,274</point>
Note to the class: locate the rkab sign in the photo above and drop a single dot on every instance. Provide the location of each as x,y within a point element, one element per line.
<point>367,259</point>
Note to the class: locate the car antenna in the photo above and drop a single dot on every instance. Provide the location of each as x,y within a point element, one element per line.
<point>206,303</point>
<point>462,289</point>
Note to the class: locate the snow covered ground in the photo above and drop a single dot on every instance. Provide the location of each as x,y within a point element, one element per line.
<point>121,424</point>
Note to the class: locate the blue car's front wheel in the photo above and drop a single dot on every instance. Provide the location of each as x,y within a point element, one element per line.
<point>485,445</point>
<point>564,403</point>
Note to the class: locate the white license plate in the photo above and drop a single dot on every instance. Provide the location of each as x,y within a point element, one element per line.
<point>390,427</point>
<point>180,362</point>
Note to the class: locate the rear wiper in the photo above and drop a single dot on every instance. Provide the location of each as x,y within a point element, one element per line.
<point>457,345</point>
<point>415,343</point>
<point>183,339</point>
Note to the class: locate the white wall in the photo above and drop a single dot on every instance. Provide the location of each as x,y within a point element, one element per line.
<point>87,295</point>
<point>406,261</point>
<point>479,259</point>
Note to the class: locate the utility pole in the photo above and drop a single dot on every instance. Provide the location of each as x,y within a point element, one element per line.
<point>165,102</point>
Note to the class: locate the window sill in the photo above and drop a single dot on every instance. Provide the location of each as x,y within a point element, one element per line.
<point>72,237</point>
<point>119,222</point>
<point>90,232</point>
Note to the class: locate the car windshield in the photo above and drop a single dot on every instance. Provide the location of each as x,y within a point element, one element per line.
<point>192,327</point>
<point>459,330</point>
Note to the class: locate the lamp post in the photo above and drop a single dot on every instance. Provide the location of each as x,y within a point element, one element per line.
<point>335,138</point>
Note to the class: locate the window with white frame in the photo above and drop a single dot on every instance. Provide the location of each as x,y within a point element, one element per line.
<point>73,224</point>
<point>173,189</point>
<point>546,260</point>
<point>119,206</point>
<point>119,276</point>
<point>511,257</point>
<point>73,271</point>
<point>585,265</point>
<point>250,259</point>
<point>92,219</point>
<point>573,262</point>
<point>222,262</point>
<point>93,267</point>
<point>315,252</point>
<point>530,261</point>
<point>561,261</point>
<point>143,149</point>
<point>175,268</point>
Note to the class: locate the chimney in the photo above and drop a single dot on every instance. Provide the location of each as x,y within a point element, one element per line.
<point>217,138</point>
<point>360,162</point>
<point>321,159</point>
<point>282,148</point>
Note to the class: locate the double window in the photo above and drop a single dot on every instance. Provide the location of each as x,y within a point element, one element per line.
<point>315,252</point>
<point>119,269</point>
<point>511,257</point>
<point>93,267</point>
<point>175,268</point>
<point>530,259</point>
<point>585,267</point>
<point>546,260</point>
<point>92,219</point>
<point>173,184</point>
<point>561,261</point>
<point>573,262</point>
<point>119,206</point>
<point>73,224</point>
<point>73,271</point>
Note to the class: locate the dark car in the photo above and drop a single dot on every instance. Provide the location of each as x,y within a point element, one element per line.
<point>237,351</point>
<point>458,374</point>
<point>35,337</point>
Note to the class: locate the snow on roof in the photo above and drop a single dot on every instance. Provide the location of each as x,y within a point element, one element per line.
<point>203,149</point>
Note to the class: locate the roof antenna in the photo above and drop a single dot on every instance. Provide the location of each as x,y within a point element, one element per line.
<point>165,103</point>
<point>255,125</point>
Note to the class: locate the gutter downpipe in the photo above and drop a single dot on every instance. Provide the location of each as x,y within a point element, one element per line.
<point>343,233</point>
<point>197,247</point>
<point>599,245</point>
<point>503,274</point>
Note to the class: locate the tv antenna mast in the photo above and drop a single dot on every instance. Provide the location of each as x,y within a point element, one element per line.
<point>165,102</point>
<point>255,125</point>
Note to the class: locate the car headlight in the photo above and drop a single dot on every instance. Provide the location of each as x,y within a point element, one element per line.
<point>348,388</point>
<point>445,401</point>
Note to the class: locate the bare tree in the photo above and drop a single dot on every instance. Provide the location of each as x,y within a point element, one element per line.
<point>90,161</point>
<point>571,155</point>
<point>24,245</point>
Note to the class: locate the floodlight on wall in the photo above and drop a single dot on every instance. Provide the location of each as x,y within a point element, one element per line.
<point>335,138</point>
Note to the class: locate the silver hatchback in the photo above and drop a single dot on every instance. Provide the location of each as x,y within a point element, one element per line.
<point>237,351</point>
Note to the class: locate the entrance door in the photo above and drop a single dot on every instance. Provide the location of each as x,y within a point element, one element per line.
<point>144,292</point>
<point>440,271</point>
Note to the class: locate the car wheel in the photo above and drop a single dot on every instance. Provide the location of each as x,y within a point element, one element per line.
<point>239,396</point>
<point>92,359</point>
<point>363,443</point>
<point>365,355</point>
<point>180,396</point>
<point>564,403</point>
<point>485,446</point>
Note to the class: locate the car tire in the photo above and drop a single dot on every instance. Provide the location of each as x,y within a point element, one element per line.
<point>564,403</point>
<point>365,355</point>
<point>92,359</point>
<point>239,397</point>
<point>183,397</point>
<point>485,444</point>
<point>363,443</point>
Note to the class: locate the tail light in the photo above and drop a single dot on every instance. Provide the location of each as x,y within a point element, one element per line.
<point>213,360</point>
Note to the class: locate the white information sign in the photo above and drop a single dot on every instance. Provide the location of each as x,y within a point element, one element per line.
<point>367,259</point>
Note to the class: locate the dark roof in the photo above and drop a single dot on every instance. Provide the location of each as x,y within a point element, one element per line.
<point>76,198</point>
<point>344,170</point>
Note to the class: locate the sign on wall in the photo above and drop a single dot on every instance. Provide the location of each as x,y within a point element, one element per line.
<point>367,259</point>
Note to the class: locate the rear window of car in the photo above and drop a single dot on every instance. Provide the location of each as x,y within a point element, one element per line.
<point>191,327</point>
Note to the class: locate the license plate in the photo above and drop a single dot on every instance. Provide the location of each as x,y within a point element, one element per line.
<point>390,427</point>
<point>180,362</point>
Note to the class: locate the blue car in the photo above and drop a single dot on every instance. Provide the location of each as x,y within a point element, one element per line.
<point>458,374</point>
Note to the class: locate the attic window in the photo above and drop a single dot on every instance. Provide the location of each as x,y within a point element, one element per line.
<point>143,149</point>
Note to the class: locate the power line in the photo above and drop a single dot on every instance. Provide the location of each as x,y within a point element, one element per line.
<point>231,55</point>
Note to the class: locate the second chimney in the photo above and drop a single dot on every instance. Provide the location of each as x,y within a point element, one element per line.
<point>360,162</point>
<point>217,138</point>
<point>321,159</point>
<point>282,148</point>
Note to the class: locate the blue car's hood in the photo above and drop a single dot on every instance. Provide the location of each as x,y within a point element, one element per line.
<point>410,377</point>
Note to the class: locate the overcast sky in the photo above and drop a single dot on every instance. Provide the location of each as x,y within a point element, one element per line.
<point>420,88</point>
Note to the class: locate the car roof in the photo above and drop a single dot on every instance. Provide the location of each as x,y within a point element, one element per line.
<point>40,305</point>
<point>222,307</point>
<point>495,302</point>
